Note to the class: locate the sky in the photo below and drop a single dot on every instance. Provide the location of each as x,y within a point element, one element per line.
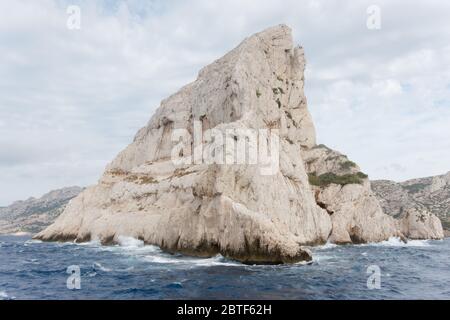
<point>71,99</point>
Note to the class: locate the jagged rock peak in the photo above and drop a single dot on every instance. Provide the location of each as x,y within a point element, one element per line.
<point>309,195</point>
<point>205,209</point>
<point>260,83</point>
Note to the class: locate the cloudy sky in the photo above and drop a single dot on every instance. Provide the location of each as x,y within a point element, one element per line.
<point>70,100</point>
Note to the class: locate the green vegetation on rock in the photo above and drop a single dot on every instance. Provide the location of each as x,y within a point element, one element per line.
<point>321,146</point>
<point>332,178</point>
<point>445,224</point>
<point>417,187</point>
<point>347,165</point>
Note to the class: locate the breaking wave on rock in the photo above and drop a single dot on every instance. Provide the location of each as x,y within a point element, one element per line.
<point>136,271</point>
<point>397,242</point>
<point>135,248</point>
<point>130,242</point>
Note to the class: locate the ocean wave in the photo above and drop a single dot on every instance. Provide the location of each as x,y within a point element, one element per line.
<point>131,250</point>
<point>217,260</point>
<point>133,247</point>
<point>31,241</point>
<point>99,266</point>
<point>322,258</point>
<point>130,242</point>
<point>325,246</point>
<point>19,234</point>
<point>92,243</point>
<point>397,242</point>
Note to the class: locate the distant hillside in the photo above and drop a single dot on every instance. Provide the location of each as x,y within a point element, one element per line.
<point>33,215</point>
<point>432,193</point>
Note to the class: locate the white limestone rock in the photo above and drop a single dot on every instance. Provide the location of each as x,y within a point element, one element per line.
<point>418,223</point>
<point>345,193</point>
<point>238,210</point>
<point>355,210</point>
<point>205,209</point>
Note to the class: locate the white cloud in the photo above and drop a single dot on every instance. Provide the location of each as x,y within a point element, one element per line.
<point>387,87</point>
<point>71,100</point>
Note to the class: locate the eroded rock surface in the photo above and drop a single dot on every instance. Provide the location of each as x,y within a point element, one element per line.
<point>344,191</point>
<point>237,210</point>
<point>419,223</point>
<point>205,209</point>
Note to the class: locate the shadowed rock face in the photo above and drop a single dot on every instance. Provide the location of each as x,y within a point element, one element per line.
<point>237,210</point>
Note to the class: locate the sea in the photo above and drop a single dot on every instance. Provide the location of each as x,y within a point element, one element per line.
<point>31,269</point>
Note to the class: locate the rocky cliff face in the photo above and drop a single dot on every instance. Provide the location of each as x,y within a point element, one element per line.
<point>344,191</point>
<point>202,208</point>
<point>255,212</point>
<point>33,215</point>
<point>429,196</point>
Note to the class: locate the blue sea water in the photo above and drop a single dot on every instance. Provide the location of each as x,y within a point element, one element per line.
<point>35,270</point>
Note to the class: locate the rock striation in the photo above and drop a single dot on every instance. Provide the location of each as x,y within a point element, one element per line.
<point>252,212</point>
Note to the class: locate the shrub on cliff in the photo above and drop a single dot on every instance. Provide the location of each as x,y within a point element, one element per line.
<point>330,178</point>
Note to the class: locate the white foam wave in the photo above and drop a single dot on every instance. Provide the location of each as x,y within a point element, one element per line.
<point>130,242</point>
<point>397,242</point>
<point>99,266</point>
<point>32,241</point>
<point>19,234</point>
<point>92,243</point>
<point>304,263</point>
<point>135,248</point>
<point>218,260</point>
<point>327,245</point>
<point>319,258</point>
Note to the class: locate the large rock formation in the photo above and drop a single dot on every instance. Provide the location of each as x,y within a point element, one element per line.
<point>418,223</point>
<point>423,197</point>
<point>34,215</point>
<point>256,211</point>
<point>344,191</point>
<point>202,208</point>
